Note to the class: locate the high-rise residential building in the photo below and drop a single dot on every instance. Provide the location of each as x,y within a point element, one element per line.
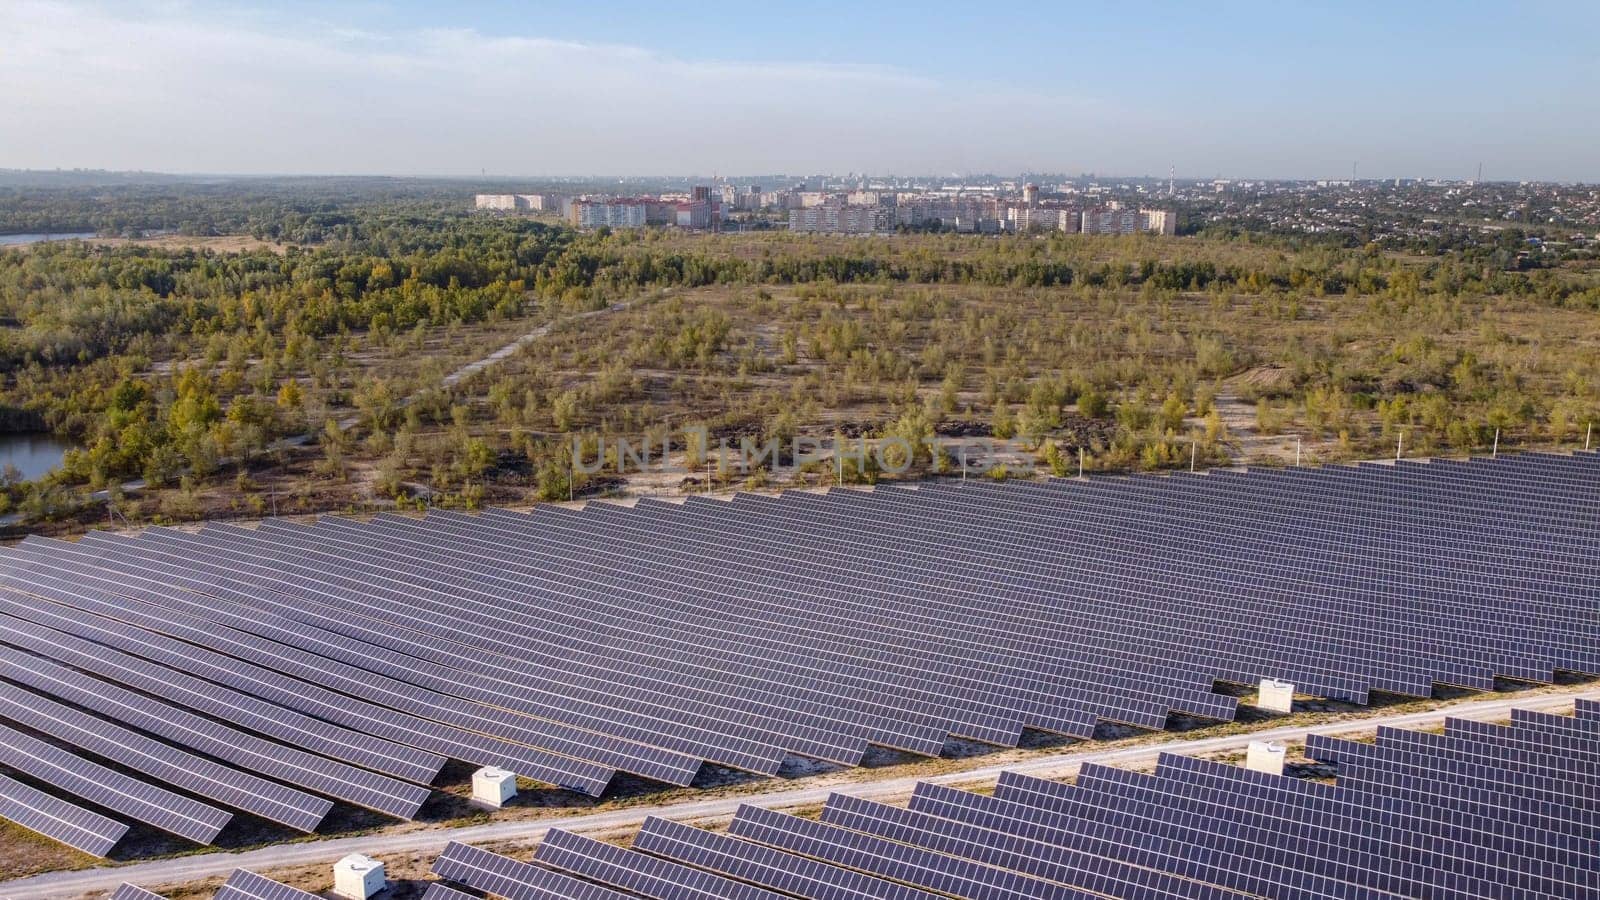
<point>510,202</point>
<point>695,214</point>
<point>1111,220</point>
<point>970,212</point>
<point>1160,221</point>
<point>1118,219</point>
<point>840,218</point>
<point>1041,218</point>
<point>538,202</point>
<point>625,212</point>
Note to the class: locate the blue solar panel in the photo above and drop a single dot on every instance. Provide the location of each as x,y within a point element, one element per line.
<point>243,885</point>
<point>568,645</point>
<point>55,818</point>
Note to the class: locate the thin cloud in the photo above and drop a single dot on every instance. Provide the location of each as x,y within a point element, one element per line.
<point>169,87</point>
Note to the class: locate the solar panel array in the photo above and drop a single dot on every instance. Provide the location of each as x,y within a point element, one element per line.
<point>1485,811</point>
<point>277,669</point>
<point>54,817</point>
<point>245,885</point>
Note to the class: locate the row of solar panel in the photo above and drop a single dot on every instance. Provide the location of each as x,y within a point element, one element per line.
<point>274,669</point>
<point>1459,821</point>
<point>241,885</point>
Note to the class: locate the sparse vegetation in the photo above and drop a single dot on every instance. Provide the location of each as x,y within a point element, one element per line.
<point>190,369</point>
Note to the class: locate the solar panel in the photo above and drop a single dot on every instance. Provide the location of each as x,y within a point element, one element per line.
<point>57,819</point>
<point>1194,828</point>
<point>1085,869</point>
<point>1373,853</point>
<point>890,859</point>
<point>490,646</point>
<point>408,727</point>
<point>271,801</point>
<point>567,645</point>
<point>441,892</point>
<point>243,885</point>
<point>640,874</point>
<point>405,656</point>
<point>257,680</point>
<point>506,877</point>
<point>1130,838</point>
<point>126,891</point>
<point>111,789</point>
<point>325,776</point>
<point>212,699</point>
<point>763,866</point>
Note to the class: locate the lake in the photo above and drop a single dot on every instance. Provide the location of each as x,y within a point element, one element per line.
<point>17,240</point>
<point>33,453</point>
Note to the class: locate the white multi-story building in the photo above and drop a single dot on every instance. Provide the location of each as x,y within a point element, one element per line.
<point>839,218</point>
<point>962,213</point>
<point>695,214</point>
<point>1041,218</point>
<point>1110,220</point>
<point>783,200</point>
<point>1160,221</point>
<point>539,202</point>
<point>625,212</point>
<point>1119,219</point>
<point>514,202</point>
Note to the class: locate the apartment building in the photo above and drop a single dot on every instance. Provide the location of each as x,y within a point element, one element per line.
<point>840,218</point>
<point>1111,220</point>
<point>516,202</point>
<point>1160,221</point>
<point>497,202</point>
<point>623,212</point>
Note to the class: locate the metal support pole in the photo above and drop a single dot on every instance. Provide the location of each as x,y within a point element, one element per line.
<point>1194,450</point>
<point>1080,462</point>
<point>1399,445</point>
<point>1297,452</point>
<point>1587,435</point>
<point>1495,453</point>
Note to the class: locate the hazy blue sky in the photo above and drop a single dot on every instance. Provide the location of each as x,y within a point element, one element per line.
<point>1273,89</point>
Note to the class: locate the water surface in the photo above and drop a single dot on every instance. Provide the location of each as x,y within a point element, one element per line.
<point>17,240</point>
<point>33,453</point>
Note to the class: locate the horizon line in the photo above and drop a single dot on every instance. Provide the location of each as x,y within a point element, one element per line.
<point>13,170</point>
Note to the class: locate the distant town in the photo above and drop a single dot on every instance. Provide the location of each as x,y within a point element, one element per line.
<point>866,209</point>
<point>1550,217</point>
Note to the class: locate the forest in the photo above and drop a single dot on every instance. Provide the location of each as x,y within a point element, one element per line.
<point>315,376</point>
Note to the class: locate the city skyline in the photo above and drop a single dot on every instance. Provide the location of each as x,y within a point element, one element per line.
<point>1424,91</point>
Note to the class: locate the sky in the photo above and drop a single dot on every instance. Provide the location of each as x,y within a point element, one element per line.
<point>1405,88</point>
